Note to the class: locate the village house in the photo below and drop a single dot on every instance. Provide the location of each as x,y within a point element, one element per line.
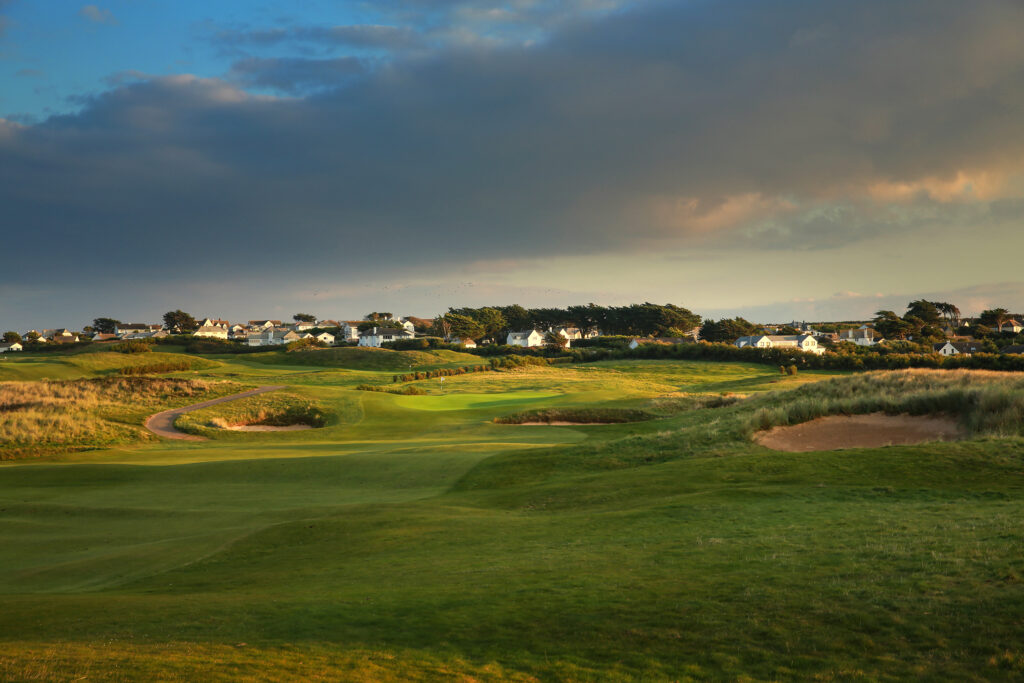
<point>122,329</point>
<point>325,338</point>
<point>798,342</point>
<point>256,325</point>
<point>13,346</point>
<point>381,335</point>
<point>864,336</point>
<point>212,332</point>
<point>526,338</point>
<point>103,337</point>
<point>1016,349</point>
<point>272,336</point>
<point>1012,326</point>
<point>350,330</point>
<point>214,322</point>
<point>467,343</point>
<point>951,348</point>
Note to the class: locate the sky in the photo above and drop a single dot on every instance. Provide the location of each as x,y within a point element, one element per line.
<point>776,159</point>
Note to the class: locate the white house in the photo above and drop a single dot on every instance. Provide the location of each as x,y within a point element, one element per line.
<point>799,342</point>
<point>212,331</point>
<point>256,325</point>
<point>1011,325</point>
<point>350,330</point>
<point>122,329</point>
<point>325,338</point>
<point>957,348</point>
<point>380,335</point>
<point>214,322</point>
<point>865,336</point>
<point>569,333</point>
<point>525,338</point>
<point>13,346</point>
<point>407,325</point>
<point>303,325</point>
<point>468,343</point>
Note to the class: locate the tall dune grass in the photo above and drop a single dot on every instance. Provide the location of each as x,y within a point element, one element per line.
<point>983,402</point>
<point>38,416</point>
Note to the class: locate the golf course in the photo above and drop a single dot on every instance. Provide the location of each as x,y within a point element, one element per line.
<point>615,520</point>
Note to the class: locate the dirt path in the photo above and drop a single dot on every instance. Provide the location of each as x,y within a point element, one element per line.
<point>859,431</point>
<point>162,424</point>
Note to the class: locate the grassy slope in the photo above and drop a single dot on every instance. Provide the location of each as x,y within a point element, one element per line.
<point>424,541</point>
<point>38,366</point>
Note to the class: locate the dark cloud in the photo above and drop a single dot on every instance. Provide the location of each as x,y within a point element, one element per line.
<point>658,127</point>
<point>295,75</point>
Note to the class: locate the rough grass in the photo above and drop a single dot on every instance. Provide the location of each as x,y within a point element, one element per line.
<point>38,417</point>
<point>984,402</point>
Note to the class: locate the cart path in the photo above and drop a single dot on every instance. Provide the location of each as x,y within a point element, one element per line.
<point>162,423</point>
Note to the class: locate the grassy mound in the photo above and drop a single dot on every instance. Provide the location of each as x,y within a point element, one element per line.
<point>275,409</point>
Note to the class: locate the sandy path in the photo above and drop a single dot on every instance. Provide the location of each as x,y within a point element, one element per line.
<point>859,431</point>
<point>162,424</point>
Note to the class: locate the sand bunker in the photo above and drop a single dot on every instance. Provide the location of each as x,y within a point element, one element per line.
<point>267,428</point>
<point>859,431</point>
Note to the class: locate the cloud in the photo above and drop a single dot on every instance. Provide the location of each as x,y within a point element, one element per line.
<point>97,15</point>
<point>351,36</point>
<point>295,75</point>
<point>729,125</point>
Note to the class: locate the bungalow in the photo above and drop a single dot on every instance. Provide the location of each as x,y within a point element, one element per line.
<point>1011,325</point>
<point>103,336</point>
<point>212,331</point>
<point>325,338</point>
<point>407,325</point>
<point>865,336</point>
<point>798,342</point>
<point>467,343</point>
<point>950,348</point>
<point>303,325</point>
<point>527,338</point>
<point>13,346</point>
<point>328,324</point>
<point>272,336</point>
<point>214,322</point>
<point>381,335</point>
<point>59,335</point>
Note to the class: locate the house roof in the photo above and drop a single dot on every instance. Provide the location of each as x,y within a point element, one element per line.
<point>377,331</point>
<point>10,345</point>
<point>1015,348</point>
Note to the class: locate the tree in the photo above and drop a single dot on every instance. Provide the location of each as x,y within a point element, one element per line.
<point>492,321</point>
<point>33,336</point>
<point>180,321</point>
<point>994,317</point>
<point>891,326</point>
<point>11,337</point>
<point>555,341</point>
<point>105,325</point>
<point>726,330</point>
<point>788,329</point>
<point>378,316</point>
<point>442,328</point>
<point>304,318</point>
<point>926,311</point>
<point>462,327</point>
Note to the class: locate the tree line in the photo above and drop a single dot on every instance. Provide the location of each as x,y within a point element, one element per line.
<point>495,322</point>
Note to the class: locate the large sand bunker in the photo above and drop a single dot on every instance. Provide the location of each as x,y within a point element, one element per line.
<point>859,431</point>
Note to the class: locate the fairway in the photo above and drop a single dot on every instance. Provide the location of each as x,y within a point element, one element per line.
<point>410,537</point>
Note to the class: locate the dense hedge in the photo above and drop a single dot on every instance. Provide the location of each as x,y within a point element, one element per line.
<point>882,360</point>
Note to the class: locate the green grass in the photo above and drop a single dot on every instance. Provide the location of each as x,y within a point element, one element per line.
<point>412,538</point>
